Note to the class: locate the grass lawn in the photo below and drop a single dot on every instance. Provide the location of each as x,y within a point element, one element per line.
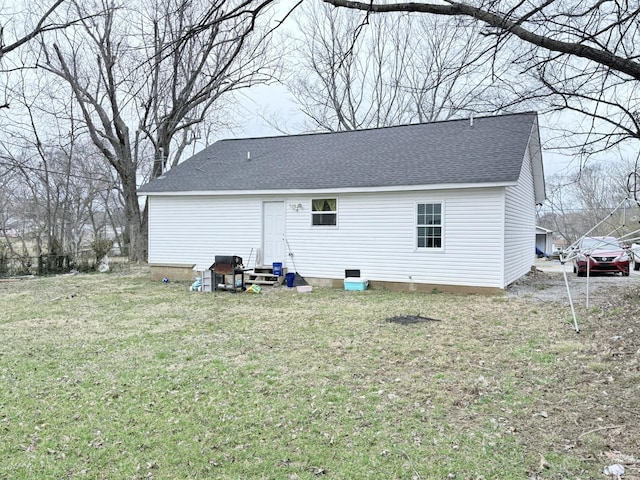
<point>114,376</point>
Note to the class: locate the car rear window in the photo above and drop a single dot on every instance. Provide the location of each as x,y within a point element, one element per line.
<point>608,243</point>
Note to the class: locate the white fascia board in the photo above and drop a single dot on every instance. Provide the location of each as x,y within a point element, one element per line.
<point>537,166</point>
<point>317,191</point>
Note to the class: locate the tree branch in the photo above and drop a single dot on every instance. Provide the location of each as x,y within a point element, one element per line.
<point>505,25</point>
<point>39,28</point>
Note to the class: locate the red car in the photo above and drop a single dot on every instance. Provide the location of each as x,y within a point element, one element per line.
<point>603,255</point>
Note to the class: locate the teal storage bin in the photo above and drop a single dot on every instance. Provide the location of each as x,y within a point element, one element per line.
<point>355,284</point>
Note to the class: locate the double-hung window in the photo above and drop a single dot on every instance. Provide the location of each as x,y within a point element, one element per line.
<point>429,225</point>
<point>324,211</point>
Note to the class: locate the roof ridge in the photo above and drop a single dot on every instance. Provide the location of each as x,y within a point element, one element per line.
<point>387,127</point>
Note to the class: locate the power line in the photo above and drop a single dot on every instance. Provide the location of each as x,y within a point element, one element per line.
<point>562,211</point>
<point>36,169</point>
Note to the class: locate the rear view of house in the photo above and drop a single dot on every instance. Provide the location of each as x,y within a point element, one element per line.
<point>445,204</point>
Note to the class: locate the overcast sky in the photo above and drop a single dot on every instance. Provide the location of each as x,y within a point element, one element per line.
<point>265,105</point>
<point>270,110</point>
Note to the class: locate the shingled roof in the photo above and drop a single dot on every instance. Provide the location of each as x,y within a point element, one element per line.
<point>485,150</point>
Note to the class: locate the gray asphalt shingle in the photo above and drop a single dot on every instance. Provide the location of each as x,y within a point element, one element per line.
<point>450,152</point>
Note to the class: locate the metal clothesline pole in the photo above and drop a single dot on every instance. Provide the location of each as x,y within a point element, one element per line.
<point>573,311</point>
<point>588,256</point>
<point>574,253</point>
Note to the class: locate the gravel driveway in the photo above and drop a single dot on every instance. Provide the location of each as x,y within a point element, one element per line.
<point>547,284</point>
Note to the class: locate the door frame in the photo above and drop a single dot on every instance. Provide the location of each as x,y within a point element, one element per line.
<point>284,232</point>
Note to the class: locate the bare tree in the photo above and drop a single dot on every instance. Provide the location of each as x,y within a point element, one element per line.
<point>583,56</point>
<point>44,23</point>
<point>398,69</point>
<point>45,157</point>
<point>9,223</point>
<point>593,198</point>
<point>188,73</point>
<point>143,87</point>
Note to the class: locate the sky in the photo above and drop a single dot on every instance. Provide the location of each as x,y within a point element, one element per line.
<point>274,101</point>
<point>264,102</point>
<point>262,105</point>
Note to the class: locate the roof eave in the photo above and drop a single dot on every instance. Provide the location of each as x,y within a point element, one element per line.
<point>334,190</point>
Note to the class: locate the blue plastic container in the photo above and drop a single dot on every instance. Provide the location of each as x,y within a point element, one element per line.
<point>277,269</point>
<point>290,278</point>
<point>355,284</point>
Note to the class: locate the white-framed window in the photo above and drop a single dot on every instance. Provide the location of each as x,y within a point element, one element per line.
<point>429,225</point>
<point>324,212</point>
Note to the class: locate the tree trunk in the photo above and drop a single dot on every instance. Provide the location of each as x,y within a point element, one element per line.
<point>137,231</point>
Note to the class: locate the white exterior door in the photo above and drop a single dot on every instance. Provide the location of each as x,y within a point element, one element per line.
<point>273,231</point>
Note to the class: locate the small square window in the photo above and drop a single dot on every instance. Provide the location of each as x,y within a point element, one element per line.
<point>324,212</point>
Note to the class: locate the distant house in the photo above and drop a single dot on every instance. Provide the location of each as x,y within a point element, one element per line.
<point>544,240</point>
<point>447,204</point>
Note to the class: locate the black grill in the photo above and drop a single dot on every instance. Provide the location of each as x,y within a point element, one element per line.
<point>228,266</point>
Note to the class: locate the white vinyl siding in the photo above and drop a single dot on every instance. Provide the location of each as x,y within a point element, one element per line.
<point>193,230</point>
<point>520,225</point>
<point>377,235</point>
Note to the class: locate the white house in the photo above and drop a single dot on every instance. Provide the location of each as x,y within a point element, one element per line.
<point>447,204</point>
<point>544,240</point>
